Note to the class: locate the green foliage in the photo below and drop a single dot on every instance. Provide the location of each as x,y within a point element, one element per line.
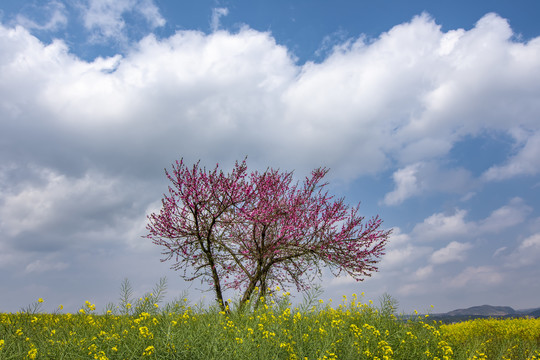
<point>272,330</point>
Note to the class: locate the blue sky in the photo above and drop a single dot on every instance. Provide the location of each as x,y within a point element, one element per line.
<point>426,112</point>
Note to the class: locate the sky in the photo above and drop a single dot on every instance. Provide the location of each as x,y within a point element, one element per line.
<point>427,113</point>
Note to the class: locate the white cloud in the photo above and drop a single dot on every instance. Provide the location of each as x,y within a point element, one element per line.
<point>151,13</point>
<point>401,251</point>
<point>364,107</point>
<point>425,178</point>
<point>100,132</point>
<point>398,237</point>
<point>467,196</point>
<point>455,251</point>
<point>402,256</point>
<point>341,280</point>
<point>528,253</point>
<point>105,18</point>
<point>424,272</point>
<point>499,251</point>
<point>439,226</point>
<point>505,217</point>
<point>57,17</point>
<point>57,203</point>
<point>475,276</point>
<point>217,14</point>
<point>406,185</point>
<point>410,289</point>
<point>40,266</point>
<point>525,162</point>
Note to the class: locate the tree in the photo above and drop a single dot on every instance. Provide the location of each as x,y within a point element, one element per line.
<point>247,231</point>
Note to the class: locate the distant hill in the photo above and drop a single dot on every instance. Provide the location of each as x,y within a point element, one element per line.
<point>483,310</point>
<point>534,313</point>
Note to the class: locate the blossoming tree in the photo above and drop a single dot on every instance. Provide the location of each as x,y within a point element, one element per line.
<point>242,231</point>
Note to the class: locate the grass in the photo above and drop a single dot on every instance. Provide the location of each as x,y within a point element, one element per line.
<point>270,329</point>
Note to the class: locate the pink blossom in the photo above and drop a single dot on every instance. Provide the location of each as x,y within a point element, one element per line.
<point>242,231</point>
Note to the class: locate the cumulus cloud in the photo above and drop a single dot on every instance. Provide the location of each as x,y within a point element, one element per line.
<point>217,14</point>
<point>98,133</point>
<point>455,251</point>
<point>440,226</point>
<point>50,212</point>
<point>57,17</point>
<point>527,253</point>
<point>41,266</point>
<point>424,272</point>
<point>401,251</point>
<point>105,18</point>
<point>397,257</point>
<point>418,263</point>
<point>425,178</point>
<point>407,185</point>
<point>505,217</point>
<point>476,276</point>
<point>244,92</point>
<point>525,162</point>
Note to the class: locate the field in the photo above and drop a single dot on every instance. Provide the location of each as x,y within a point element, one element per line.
<point>273,329</point>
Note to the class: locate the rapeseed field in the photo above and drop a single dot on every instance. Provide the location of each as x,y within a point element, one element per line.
<point>270,329</point>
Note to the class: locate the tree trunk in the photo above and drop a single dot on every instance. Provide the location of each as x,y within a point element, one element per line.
<point>217,284</point>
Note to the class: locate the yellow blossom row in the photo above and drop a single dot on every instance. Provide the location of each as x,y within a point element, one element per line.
<point>272,330</point>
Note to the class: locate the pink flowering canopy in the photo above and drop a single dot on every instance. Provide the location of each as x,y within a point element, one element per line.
<point>242,231</point>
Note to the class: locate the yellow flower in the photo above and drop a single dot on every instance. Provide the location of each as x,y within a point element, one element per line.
<point>40,300</point>
<point>367,352</point>
<point>145,332</point>
<point>90,306</point>
<point>148,351</point>
<point>32,353</point>
<point>100,356</point>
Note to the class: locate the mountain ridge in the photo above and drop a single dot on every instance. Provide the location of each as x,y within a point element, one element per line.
<point>486,311</point>
<point>483,310</point>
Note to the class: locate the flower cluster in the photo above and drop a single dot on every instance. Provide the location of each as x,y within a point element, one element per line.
<point>243,231</point>
<point>351,330</point>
